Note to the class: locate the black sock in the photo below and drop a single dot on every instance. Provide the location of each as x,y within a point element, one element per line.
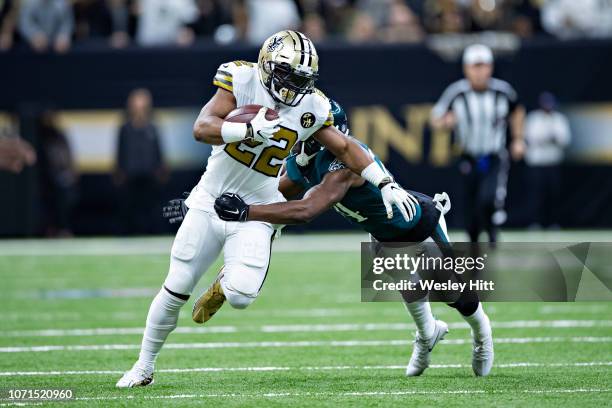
<point>465,307</point>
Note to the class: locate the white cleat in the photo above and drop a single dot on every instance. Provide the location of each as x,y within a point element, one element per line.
<point>136,377</point>
<point>419,360</point>
<point>482,356</point>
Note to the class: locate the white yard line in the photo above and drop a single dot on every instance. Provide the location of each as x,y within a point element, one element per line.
<point>112,331</point>
<point>293,328</point>
<point>359,310</point>
<point>299,368</point>
<point>347,394</point>
<point>342,394</point>
<point>271,344</point>
<point>409,326</point>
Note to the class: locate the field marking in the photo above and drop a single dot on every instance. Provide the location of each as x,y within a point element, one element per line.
<point>361,311</point>
<point>408,326</point>
<point>298,328</point>
<point>342,394</point>
<point>305,343</point>
<point>299,368</point>
<point>308,313</point>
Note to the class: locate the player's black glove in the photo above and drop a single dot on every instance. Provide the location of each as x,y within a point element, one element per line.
<point>176,210</point>
<point>230,207</point>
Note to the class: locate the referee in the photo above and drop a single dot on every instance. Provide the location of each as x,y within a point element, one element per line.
<point>479,109</point>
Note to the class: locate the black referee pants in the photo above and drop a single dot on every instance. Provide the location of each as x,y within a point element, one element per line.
<point>485,180</point>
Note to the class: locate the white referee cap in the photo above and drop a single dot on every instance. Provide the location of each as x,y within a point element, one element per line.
<point>477,54</point>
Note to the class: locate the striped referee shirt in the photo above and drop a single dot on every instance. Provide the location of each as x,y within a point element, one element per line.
<point>482,117</point>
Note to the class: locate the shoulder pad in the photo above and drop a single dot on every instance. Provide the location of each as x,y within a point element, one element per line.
<point>322,108</point>
<point>228,72</point>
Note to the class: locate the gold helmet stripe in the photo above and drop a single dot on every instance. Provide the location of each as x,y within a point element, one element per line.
<point>298,43</point>
<point>302,50</point>
<point>310,48</point>
<point>307,48</point>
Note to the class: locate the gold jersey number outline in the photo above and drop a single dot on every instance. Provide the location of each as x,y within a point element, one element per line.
<point>263,164</point>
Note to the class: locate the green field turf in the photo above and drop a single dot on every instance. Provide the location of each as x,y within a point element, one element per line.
<point>307,340</point>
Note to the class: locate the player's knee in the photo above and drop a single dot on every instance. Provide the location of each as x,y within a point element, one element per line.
<point>240,287</point>
<point>185,268</point>
<point>238,300</point>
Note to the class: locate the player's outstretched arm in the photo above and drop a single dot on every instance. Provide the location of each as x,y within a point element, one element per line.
<point>288,188</point>
<point>360,162</point>
<point>344,148</point>
<point>317,200</point>
<point>207,127</point>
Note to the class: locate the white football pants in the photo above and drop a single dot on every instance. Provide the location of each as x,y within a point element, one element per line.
<point>198,242</point>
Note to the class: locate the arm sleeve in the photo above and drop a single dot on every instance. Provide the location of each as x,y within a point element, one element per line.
<point>224,78</point>
<point>445,102</point>
<point>565,136</point>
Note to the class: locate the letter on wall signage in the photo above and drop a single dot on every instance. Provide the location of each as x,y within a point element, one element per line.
<point>377,127</point>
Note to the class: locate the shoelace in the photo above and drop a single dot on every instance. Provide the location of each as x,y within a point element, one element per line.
<point>142,372</point>
<point>481,348</point>
<point>421,350</point>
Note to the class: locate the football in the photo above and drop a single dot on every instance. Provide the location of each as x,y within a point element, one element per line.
<point>246,113</point>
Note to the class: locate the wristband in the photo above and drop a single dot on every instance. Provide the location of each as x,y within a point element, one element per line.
<point>233,132</point>
<point>384,182</point>
<point>375,174</point>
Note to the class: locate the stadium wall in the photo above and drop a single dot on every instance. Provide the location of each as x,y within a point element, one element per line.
<point>388,90</point>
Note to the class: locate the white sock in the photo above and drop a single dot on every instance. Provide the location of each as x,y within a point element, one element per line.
<point>161,320</point>
<point>479,322</point>
<point>422,316</point>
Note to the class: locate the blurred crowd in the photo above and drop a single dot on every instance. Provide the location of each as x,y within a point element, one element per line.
<point>57,24</point>
<point>139,174</point>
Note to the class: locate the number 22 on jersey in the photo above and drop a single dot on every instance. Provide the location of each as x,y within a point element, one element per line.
<point>263,163</point>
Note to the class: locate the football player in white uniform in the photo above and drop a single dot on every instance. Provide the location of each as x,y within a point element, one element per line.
<point>246,160</point>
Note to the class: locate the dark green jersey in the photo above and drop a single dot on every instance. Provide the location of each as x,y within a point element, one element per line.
<point>363,206</point>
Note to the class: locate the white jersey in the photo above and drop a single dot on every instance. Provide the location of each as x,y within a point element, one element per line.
<point>250,169</point>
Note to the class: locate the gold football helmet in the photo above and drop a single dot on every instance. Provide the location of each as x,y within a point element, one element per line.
<point>288,66</point>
